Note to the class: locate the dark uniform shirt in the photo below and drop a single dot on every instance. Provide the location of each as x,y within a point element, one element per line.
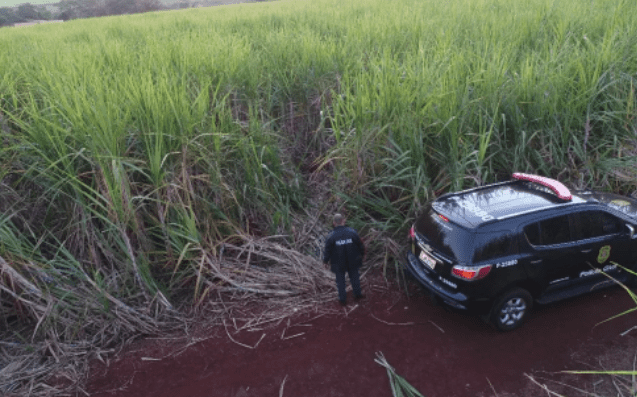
<point>343,248</point>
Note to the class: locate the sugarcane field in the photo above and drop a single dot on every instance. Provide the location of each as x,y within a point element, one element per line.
<point>318,198</point>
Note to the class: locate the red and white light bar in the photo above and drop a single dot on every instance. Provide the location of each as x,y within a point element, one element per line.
<point>557,187</point>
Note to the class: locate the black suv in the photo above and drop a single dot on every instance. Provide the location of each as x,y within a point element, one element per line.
<point>498,248</point>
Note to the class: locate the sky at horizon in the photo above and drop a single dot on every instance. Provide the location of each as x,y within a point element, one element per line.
<point>13,3</point>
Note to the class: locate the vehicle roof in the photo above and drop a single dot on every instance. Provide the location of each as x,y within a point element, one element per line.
<point>626,205</point>
<point>473,207</point>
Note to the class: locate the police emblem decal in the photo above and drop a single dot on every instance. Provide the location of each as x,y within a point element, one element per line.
<point>603,255</point>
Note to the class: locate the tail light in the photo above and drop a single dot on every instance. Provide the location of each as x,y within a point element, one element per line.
<point>412,233</point>
<point>471,273</point>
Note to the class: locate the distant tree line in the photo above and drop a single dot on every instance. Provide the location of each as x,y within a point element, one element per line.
<point>72,9</point>
<point>23,13</point>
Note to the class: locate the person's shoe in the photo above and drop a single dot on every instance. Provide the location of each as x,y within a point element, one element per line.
<point>342,303</point>
<point>359,297</point>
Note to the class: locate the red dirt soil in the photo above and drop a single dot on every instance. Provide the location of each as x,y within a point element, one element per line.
<point>439,352</point>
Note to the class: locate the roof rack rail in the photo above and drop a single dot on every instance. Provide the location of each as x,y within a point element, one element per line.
<point>557,187</point>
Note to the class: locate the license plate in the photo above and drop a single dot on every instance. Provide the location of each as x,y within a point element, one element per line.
<point>431,262</point>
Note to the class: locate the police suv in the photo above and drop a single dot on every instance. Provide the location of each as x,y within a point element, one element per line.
<point>497,249</point>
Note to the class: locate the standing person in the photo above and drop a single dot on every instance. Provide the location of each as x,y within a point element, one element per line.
<point>344,250</point>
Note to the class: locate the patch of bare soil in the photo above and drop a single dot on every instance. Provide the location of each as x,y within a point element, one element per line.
<point>330,351</point>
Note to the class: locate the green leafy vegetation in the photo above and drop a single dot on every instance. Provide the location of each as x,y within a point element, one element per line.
<point>399,386</point>
<point>137,149</point>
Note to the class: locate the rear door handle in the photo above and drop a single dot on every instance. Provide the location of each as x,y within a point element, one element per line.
<point>535,262</point>
<point>586,251</point>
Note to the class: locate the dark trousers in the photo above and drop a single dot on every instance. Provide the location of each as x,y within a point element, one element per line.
<point>354,278</point>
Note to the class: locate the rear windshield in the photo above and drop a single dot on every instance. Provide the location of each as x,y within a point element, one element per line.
<point>444,236</point>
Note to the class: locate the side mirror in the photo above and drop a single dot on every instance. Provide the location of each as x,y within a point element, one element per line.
<point>631,230</point>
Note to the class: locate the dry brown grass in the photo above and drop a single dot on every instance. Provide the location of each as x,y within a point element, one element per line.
<point>250,284</point>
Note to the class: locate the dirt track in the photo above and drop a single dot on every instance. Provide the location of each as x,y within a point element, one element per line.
<point>439,352</point>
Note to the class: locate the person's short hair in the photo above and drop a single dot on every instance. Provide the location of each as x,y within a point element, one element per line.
<point>338,219</point>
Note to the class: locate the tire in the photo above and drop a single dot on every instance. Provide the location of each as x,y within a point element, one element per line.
<point>511,309</point>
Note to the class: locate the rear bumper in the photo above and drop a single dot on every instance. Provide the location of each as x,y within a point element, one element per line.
<point>430,281</point>
<point>456,300</point>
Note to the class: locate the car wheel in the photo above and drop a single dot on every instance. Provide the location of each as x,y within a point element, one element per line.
<point>511,309</point>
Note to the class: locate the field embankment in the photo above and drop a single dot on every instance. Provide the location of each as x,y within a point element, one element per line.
<point>146,159</point>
